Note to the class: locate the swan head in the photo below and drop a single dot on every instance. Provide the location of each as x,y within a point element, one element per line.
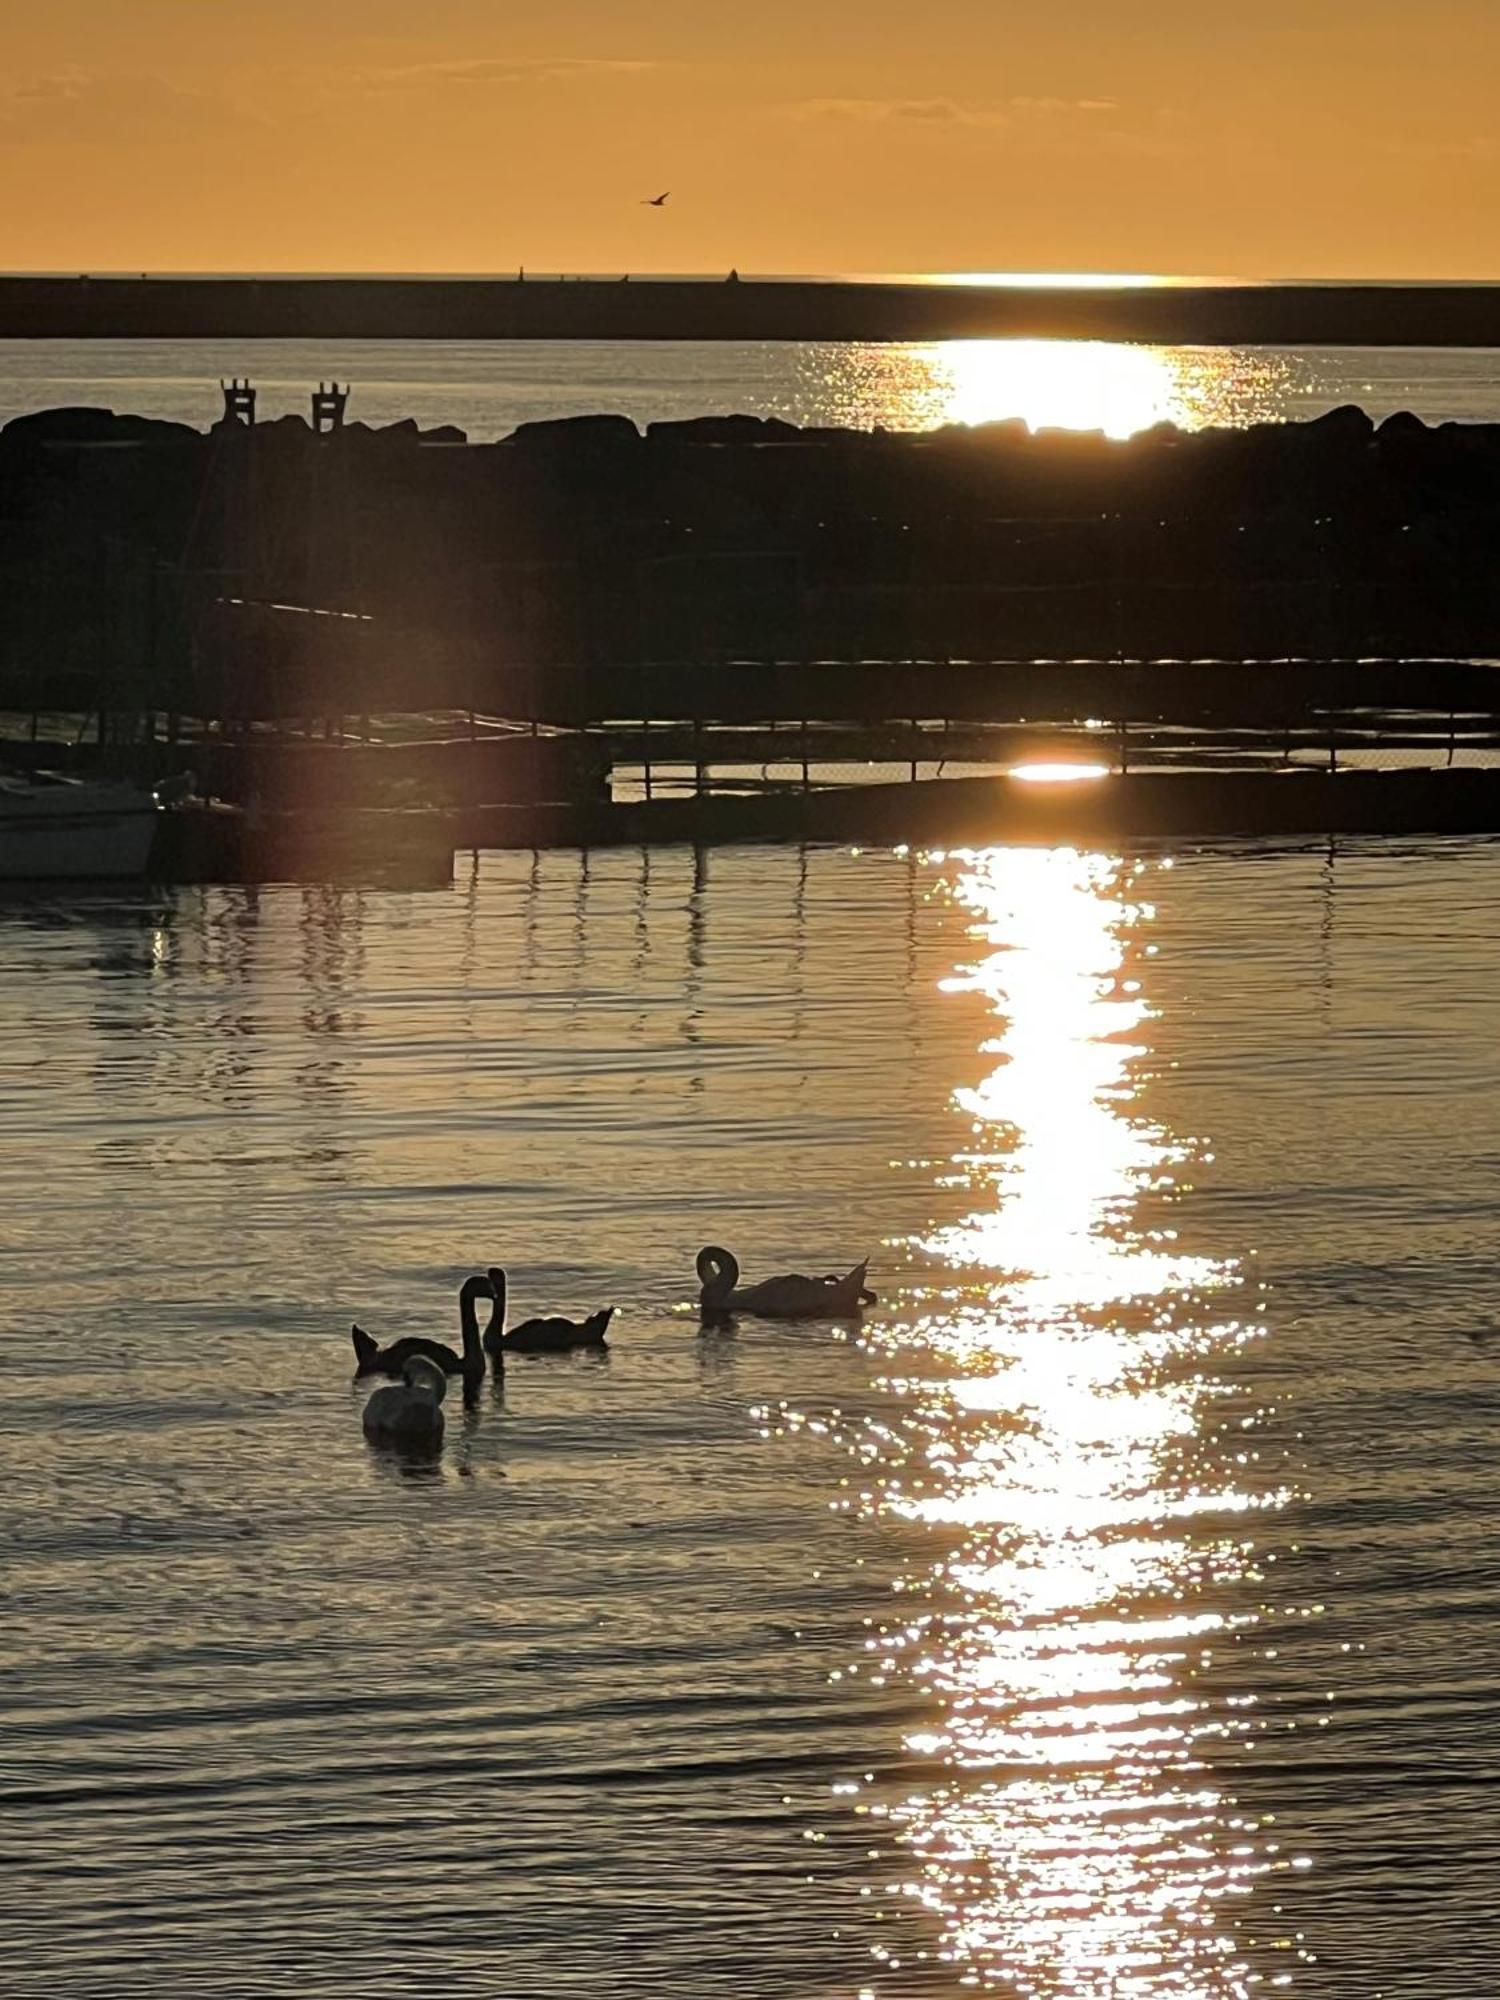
<point>425,1377</point>
<point>473,1289</point>
<point>718,1272</point>
<point>495,1331</point>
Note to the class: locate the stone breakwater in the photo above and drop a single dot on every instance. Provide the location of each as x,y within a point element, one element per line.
<point>269,570</point>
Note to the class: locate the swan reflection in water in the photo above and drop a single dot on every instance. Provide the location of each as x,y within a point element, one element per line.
<point>1086,1535</point>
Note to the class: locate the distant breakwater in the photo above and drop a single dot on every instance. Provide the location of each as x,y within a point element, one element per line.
<point>267,571</point>
<point>513,308</point>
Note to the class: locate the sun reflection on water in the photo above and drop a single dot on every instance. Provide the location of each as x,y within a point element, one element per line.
<point>1072,384</point>
<point>1115,387</point>
<point>1056,1153</point>
<point>1088,1538</point>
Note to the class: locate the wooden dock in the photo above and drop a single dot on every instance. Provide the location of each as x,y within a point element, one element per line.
<point>981,811</point>
<point>873,751</point>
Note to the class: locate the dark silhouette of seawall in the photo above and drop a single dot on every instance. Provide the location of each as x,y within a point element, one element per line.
<point>247,308</point>
<point>256,571</point>
<point>1227,618</point>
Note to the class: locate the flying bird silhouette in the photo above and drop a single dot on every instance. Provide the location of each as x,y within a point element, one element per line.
<point>656,200</point>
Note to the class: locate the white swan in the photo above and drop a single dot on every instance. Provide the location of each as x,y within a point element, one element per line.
<point>790,1297</point>
<point>409,1415</point>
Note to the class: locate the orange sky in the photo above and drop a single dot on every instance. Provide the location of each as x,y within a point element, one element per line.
<point>1333,138</point>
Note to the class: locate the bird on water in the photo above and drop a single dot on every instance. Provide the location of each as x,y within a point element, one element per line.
<point>409,1414</point>
<point>791,1296</point>
<point>656,200</point>
<point>372,1359</point>
<point>538,1336</point>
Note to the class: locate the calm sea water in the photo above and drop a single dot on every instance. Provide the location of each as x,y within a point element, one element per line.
<point>1113,1617</point>
<point>487,389</point>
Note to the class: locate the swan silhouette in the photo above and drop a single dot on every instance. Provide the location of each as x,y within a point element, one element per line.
<point>538,1336</point>
<point>790,1297</point>
<point>373,1359</point>
<point>409,1414</point>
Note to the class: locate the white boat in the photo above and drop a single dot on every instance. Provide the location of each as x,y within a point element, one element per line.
<point>55,828</point>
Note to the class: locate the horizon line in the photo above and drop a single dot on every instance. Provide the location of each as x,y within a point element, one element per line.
<point>973,280</point>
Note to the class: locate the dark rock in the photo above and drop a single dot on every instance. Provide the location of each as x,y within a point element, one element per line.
<point>723,430</point>
<point>1348,424</point>
<point>90,426</point>
<point>984,437</point>
<point>573,433</point>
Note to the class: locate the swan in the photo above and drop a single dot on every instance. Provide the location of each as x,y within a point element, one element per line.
<point>789,1297</point>
<point>538,1336</point>
<point>373,1359</point>
<point>409,1415</point>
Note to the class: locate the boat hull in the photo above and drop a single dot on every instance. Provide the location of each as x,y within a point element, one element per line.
<point>81,846</point>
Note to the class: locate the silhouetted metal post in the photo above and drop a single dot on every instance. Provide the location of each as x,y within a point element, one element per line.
<point>239,401</point>
<point>644,706</point>
<point>328,405</point>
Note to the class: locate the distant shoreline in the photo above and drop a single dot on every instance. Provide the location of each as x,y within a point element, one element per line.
<point>612,309</point>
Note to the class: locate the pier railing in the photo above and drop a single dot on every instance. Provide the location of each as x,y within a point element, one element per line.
<point>566,735</point>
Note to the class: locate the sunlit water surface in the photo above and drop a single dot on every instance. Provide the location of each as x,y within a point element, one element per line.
<point>1112,1620</point>
<point>488,388</point>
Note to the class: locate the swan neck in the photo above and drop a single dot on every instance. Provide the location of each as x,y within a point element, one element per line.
<point>719,1270</point>
<point>472,1290</point>
<point>494,1333</point>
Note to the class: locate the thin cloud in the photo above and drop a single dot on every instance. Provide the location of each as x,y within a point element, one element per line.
<point>1479,146</point>
<point>101,108</point>
<point>1006,114</point>
<point>1061,107</point>
<point>898,110</point>
<point>504,70</point>
<point>65,85</point>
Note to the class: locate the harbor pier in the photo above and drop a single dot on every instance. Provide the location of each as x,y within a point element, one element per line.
<point>731,629</point>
